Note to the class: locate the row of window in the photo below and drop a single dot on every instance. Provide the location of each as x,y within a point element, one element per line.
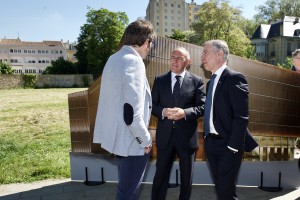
<point>28,71</point>
<point>38,51</point>
<point>172,24</point>
<point>166,5</point>
<point>29,61</point>
<point>166,30</point>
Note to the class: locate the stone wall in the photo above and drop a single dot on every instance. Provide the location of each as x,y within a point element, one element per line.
<point>11,81</point>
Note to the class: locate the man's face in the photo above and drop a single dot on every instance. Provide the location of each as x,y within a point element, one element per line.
<point>178,62</point>
<point>210,58</point>
<point>145,49</point>
<point>296,61</point>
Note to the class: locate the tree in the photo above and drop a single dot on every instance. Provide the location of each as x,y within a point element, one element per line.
<point>61,66</point>
<point>274,10</point>
<point>217,20</point>
<point>99,38</point>
<point>288,63</point>
<point>178,35</point>
<point>6,68</point>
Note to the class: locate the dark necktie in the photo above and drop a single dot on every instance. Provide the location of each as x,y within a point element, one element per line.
<point>208,103</point>
<point>176,90</point>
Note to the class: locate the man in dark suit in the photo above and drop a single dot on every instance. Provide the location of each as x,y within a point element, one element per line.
<point>178,101</point>
<point>225,119</point>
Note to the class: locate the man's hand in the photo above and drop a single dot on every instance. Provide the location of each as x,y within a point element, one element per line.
<point>174,113</point>
<point>148,149</point>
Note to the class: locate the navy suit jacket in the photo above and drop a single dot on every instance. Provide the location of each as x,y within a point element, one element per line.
<point>231,110</point>
<point>192,99</point>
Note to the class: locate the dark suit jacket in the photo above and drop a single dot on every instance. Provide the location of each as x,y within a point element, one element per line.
<point>192,100</point>
<point>231,110</point>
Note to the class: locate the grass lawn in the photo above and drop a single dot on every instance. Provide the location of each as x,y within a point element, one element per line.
<point>34,134</point>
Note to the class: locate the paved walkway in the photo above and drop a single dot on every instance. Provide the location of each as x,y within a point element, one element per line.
<point>74,190</point>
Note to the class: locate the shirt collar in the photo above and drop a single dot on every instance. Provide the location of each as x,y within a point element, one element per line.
<point>173,74</point>
<point>220,70</point>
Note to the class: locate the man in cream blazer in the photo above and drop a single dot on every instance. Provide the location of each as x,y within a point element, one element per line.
<point>124,108</point>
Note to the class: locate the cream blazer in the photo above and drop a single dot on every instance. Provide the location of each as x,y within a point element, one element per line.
<point>123,81</point>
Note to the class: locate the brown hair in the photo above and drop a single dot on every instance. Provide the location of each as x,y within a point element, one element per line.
<point>138,32</point>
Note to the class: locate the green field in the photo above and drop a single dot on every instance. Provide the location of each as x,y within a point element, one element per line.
<point>34,134</point>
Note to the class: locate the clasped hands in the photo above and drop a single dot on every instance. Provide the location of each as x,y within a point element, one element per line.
<point>174,113</point>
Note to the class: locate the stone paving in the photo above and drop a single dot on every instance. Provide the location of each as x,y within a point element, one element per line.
<point>77,190</point>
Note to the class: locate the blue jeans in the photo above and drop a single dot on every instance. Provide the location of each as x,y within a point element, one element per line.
<point>131,171</point>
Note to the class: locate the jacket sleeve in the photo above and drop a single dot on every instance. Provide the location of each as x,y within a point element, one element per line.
<point>134,91</point>
<point>238,95</point>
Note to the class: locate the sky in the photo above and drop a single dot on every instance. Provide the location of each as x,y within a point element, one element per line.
<point>38,20</point>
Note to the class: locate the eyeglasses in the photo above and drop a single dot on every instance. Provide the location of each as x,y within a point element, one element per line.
<point>178,59</point>
<point>151,44</point>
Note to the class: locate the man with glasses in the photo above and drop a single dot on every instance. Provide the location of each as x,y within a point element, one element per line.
<point>178,101</point>
<point>124,108</point>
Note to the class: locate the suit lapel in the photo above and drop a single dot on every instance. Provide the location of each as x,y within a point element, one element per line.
<point>185,83</point>
<point>220,83</point>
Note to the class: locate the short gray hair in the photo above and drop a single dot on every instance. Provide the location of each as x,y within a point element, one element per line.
<point>219,45</point>
<point>184,51</point>
<point>295,53</point>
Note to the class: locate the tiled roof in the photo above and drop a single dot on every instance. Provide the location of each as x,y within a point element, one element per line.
<point>18,42</point>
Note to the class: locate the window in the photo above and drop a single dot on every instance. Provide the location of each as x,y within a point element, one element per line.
<point>178,5</point>
<point>166,4</point>
<point>166,17</point>
<point>19,51</point>
<point>166,30</point>
<point>166,23</point>
<point>39,51</point>
<point>172,5</point>
<point>25,51</point>
<point>11,50</point>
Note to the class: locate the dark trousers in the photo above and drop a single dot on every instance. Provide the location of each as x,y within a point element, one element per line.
<point>224,166</point>
<point>165,159</point>
<point>131,171</point>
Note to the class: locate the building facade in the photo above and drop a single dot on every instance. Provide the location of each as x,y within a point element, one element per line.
<point>30,57</point>
<point>275,42</point>
<point>169,15</point>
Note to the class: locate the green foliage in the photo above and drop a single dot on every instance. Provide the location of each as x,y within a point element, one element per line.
<point>274,10</point>
<point>99,38</point>
<point>217,20</point>
<point>288,63</point>
<point>86,81</point>
<point>35,135</point>
<point>6,68</point>
<point>29,80</point>
<point>179,35</point>
<point>61,66</point>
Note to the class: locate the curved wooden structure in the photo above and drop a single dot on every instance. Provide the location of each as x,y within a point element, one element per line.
<point>274,102</point>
